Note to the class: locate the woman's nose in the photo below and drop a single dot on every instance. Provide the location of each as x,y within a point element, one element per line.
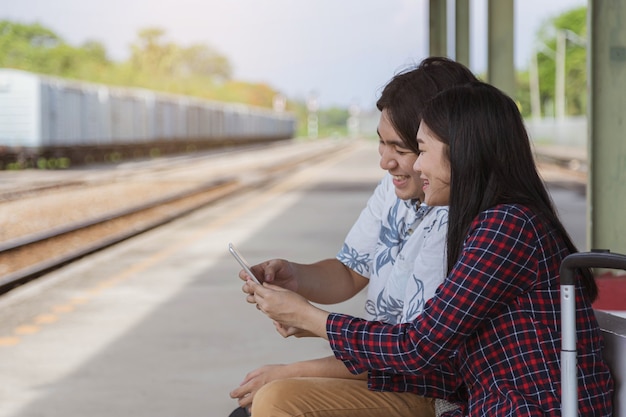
<point>416,164</point>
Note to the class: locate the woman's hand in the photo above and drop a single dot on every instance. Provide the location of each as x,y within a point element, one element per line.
<point>292,312</point>
<point>291,331</point>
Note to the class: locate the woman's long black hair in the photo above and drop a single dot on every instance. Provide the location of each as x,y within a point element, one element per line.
<point>491,161</point>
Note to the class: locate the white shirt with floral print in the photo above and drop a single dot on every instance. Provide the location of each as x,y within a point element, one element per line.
<point>403,257</point>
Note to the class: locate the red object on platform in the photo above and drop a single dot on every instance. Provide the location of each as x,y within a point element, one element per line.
<point>611,292</point>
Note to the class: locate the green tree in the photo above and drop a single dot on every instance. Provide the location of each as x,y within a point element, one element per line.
<point>155,63</point>
<point>38,49</point>
<point>152,54</point>
<point>202,60</point>
<point>572,24</point>
<point>333,121</point>
<point>22,46</point>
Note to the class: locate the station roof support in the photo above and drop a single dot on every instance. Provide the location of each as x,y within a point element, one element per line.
<point>500,45</point>
<point>438,28</point>
<point>462,32</point>
<point>606,120</point>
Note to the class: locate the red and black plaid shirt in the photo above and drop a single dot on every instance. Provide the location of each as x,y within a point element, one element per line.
<point>490,338</point>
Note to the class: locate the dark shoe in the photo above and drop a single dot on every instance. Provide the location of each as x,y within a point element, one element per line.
<point>239,412</point>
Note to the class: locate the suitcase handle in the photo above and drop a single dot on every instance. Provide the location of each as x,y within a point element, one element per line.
<point>597,258</point>
<point>569,377</point>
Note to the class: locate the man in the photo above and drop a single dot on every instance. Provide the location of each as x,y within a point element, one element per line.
<point>397,246</point>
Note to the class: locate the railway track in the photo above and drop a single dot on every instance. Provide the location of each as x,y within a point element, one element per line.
<point>33,254</point>
<point>28,257</point>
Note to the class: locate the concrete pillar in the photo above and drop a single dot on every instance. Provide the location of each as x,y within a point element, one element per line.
<point>606,190</point>
<point>462,32</point>
<point>500,53</point>
<point>437,28</point>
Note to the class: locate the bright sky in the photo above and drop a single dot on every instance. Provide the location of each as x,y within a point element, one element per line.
<point>344,51</point>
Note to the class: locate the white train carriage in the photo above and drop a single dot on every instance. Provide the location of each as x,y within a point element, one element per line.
<point>47,113</point>
<point>20,109</point>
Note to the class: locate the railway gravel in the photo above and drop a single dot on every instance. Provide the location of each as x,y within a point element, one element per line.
<point>170,187</point>
<point>34,201</point>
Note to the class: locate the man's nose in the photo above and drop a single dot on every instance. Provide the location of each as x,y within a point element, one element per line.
<point>387,161</point>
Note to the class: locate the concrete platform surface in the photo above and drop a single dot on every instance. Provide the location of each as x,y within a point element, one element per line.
<point>158,325</point>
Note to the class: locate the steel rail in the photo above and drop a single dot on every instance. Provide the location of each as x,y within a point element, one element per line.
<point>24,275</point>
<point>230,185</point>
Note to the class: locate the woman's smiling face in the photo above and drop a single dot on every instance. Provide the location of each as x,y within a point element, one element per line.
<point>433,166</point>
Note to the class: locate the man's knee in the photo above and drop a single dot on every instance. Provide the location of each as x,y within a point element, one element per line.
<point>268,401</point>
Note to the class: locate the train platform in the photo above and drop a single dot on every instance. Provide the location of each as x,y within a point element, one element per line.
<point>158,326</point>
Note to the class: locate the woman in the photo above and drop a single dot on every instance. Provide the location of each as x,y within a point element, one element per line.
<point>489,340</point>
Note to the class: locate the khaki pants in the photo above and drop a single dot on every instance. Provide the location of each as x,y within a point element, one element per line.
<point>334,397</point>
